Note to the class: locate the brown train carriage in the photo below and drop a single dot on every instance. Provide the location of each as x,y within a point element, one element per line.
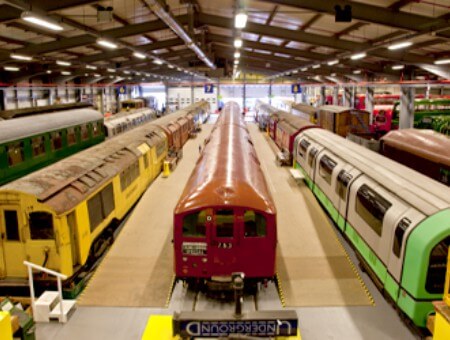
<point>304,111</point>
<point>342,120</point>
<point>225,219</point>
<point>287,130</point>
<point>426,151</point>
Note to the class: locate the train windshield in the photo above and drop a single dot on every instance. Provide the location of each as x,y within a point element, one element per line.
<point>254,224</point>
<point>437,267</point>
<point>194,225</point>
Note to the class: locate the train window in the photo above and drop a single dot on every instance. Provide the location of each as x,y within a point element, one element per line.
<point>160,148</point>
<point>15,153</point>
<point>95,211</point>
<point>71,136</point>
<point>399,233</point>
<point>107,200</point>
<point>56,141</point>
<point>12,225</point>
<point>343,180</point>
<point>97,129</point>
<point>84,132</point>
<point>224,223</point>
<point>194,225</point>
<point>326,167</point>
<point>371,207</point>
<point>312,157</point>
<point>304,144</point>
<point>38,146</point>
<point>128,176</point>
<point>437,267</point>
<point>146,161</point>
<point>41,226</point>
<point>254,224</point>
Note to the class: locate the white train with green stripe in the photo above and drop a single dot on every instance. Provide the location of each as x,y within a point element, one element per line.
<point>397,219</point>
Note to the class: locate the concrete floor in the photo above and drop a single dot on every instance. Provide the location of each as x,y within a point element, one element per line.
<point>366,323</point>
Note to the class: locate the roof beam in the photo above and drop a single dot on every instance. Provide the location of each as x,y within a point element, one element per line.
<point>373,14</point>
<point>315,39</point>
<point>400,3</point>
<point>351,28</point>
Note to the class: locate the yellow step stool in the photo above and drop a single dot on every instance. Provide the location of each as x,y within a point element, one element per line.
<point>5,326</point>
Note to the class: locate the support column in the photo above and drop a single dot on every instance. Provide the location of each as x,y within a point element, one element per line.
<point>218,98</point>
<point>270,92</point>
<point>336,95</point>
<point>323,97</point>
<point>369,102</point>
<point>166,86</point>
<point>407,108</point>
<point>244,94</point>
<point>51,96</point>
<point>427,92</point>
<point>192,90</point>
<point>347,97</point>
<point>2,100</point>
<point>16,97</point>
<point>102,101</point>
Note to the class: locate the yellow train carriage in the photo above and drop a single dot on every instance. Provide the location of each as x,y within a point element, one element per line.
<point>59,216</point>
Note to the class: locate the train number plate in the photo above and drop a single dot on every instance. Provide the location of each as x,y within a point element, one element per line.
<point>225,245</point>
<point>194,248</point>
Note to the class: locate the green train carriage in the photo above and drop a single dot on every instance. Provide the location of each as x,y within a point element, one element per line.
<point>30,143</point>
<point>397,219</point>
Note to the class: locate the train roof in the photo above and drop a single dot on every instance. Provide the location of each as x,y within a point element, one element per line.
<point>423,193</point>
<point>126,117</point>
<point>306,108</point>
<point>228,172</point>
<point>35,110</point>
<point>293,124</point>
<point>337,108</point>
<point>64,184</point>
<point>428,144</point>
<point>13,129</point>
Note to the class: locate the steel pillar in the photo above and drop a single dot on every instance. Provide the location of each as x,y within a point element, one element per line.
<point>407,108</point>
<point>369,101</point>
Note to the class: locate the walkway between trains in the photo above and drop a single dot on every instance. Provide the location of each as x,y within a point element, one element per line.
<point>138,270</point>
<point>311,264</point>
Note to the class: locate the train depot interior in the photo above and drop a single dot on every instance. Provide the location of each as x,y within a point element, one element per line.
<point>234,169</point>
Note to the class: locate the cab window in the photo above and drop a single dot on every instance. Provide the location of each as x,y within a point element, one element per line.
<point>194,225</point>
<point>41,226</point>
<point>304,144</point>
<point>312,157</point>
<point>398,237</point>
<point>437,267</point>
<point>224,223</point>
<point>84,132</point>
<point>56,141</point>
<point>12,225</point>
<point>343,179</point>
<point>254,224</point>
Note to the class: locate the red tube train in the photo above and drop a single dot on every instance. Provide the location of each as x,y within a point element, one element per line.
<point>225,219</point>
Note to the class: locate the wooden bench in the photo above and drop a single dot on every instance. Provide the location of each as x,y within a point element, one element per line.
<point>281,159</point>
<point>297,175</point>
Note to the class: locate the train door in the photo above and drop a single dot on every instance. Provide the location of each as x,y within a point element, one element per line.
<point>13,249</point>
<point>344,178</point>
<point>223,243</point>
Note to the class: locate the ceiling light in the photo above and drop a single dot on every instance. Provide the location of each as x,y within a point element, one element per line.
<point>398,67</point>
<point>63,63</point>
<point>400,45</point>
<point>295,72</point>
<point>111,70</point>
<point>66,73</point>
<point>91,67</point>
<point>358,56</point>
<point>139,55</point>
<point>333,62</point>
<point>442,62</point>
<point>138,73</point>
<point>238,42</point>
<point>304,69</point>
<point>170,66</point>
<point>11,68</point>
<point>40,21</point>
<point>97,75</point>
<point>356,71</point>
<point>86,75</point>
<point>126,72</point>
<point>106,43</point>
<point>158,62</point>
<point>236,61</point>
<point>333,74</point>
<point>20,57</point>
<point>240,20</point>
<point>237,55</point>
<point>48,72</point>
<point>316,66</point>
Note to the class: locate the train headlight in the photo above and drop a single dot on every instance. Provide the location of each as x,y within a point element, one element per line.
<point>204,260</point>
<point>184,259</point>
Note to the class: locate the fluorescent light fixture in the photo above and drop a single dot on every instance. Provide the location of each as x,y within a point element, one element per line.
<point>295,72</point>
<point>236,61</point>
<point>238,42</point>
<point>358,56</point>
<point>111,70</point>
<point>126,72</point>
<point>106,43</point>
<point>86,74</point>
<point>91,67</point>
<point>442,61</point>
<point>333,62</point>
<point>66,73</point>
<point>112,77</point>
<point>356,71</point>
<point>41,21</point>
<point>63,63</point>
<point>400,45</point>
<point>333,75</point>
<point>48,72</point>
<point>398,67</point>
<point>139,55</point>
<point>237,55</point>
<point>97,75</point>
<point>138,73</point>
<point>11,68</point>
<point>158,62</point>
<point>179,69</point>
<point>21,57</point>
<point>240,20</point>
<point>170,66</point>
<point>316,66</point>
<point>304,69</point>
